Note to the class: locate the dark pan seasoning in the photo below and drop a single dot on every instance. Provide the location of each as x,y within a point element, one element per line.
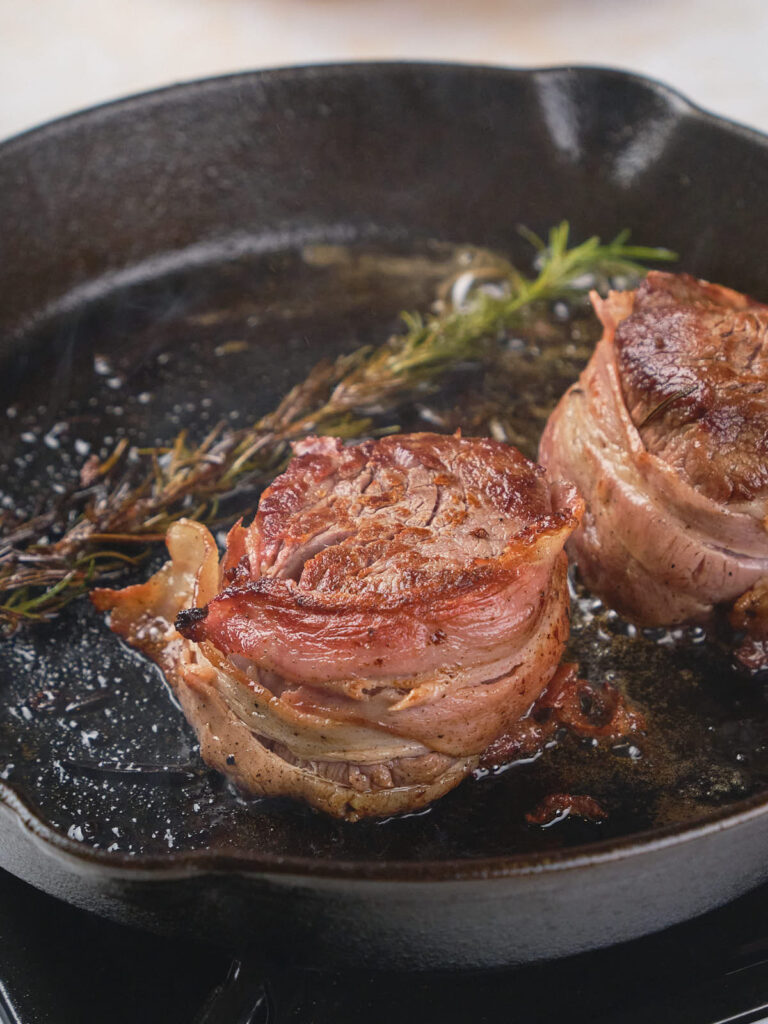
<point>89,733</point>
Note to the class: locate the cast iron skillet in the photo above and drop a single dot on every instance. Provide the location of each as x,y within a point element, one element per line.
<point>190,253</point>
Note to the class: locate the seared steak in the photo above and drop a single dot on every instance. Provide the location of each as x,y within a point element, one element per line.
<point>693,362</point>
<point>666,436</point>
<point>393,609</point>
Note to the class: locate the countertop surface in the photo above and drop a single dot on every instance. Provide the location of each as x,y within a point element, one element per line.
<point>61,55</point>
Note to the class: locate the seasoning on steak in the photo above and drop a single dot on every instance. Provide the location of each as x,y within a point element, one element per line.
<point>666,436</point>
<point>394,608</point>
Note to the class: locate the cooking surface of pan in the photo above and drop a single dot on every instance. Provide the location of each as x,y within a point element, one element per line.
<point>90,734</point>
<point>187,257</point>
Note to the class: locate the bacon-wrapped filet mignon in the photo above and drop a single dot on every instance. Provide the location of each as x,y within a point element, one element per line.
<point>666,437</point>
<point>394,608</point>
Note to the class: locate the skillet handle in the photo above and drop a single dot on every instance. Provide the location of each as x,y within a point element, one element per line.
<point>242,998</point>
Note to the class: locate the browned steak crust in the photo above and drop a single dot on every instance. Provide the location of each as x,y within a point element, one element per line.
<point>693,361</point>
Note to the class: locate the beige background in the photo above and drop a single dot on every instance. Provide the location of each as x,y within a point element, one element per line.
<point>59,55</point>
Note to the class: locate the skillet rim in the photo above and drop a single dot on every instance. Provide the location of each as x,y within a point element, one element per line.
<point>174,864</point>
<point>201,862</point>
<point>674,96</point>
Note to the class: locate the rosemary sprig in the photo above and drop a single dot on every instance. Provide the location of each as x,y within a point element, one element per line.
<point>134,495</point>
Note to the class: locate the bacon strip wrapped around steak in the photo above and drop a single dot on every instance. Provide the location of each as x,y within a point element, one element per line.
<point>394,608</point>
<point>666,437</point>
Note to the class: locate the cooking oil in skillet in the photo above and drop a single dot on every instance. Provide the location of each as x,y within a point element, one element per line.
<point>90,735</point>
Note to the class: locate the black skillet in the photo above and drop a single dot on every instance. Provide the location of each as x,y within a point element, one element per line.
<point>188,254</point>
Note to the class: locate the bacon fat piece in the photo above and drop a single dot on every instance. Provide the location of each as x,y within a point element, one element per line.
<point>666,437</point>
<point>394,608</point>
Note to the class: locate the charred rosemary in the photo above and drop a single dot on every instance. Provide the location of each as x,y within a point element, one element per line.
<point>133,496</point>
